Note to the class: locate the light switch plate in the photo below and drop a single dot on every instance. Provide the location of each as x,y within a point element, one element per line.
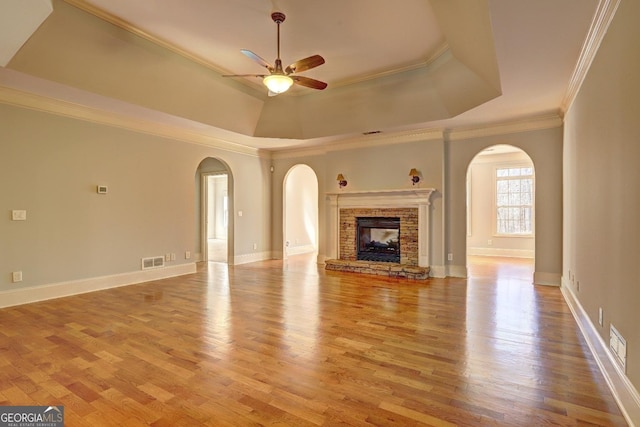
<point>19,215</point>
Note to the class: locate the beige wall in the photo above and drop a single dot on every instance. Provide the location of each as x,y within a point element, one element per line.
<point>602,186</point>
<point>50,166</point>
<point>544,147</point>
<point>365,168</point>
<point>443,166</point>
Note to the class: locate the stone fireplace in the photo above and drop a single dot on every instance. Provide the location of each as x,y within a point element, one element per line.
<point>403,212</point>
<point>407,226</point>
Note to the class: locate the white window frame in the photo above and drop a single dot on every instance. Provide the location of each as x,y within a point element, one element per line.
<point>495,198</point>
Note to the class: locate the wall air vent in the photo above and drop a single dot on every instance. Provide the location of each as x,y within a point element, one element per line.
<point>618,346</point>
<point>152,262</point>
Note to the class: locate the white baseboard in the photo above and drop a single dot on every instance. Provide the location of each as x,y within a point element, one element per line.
<point>254,257</point>
<point>438,271</point>
<point>442,271</point>
<point>501,252</point>
<point>624,392</point>
<point>76,287</point>
<point>546,279</point>
<point>457,271</point>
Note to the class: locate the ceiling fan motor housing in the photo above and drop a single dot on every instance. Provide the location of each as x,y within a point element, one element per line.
<point>278,17</point>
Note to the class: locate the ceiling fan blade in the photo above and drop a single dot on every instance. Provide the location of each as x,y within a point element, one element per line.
<point>244,75</point>
<point>305,64</point>
<point>258,59</point>
<point>308,82</point>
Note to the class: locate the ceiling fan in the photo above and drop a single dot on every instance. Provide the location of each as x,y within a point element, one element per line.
<point>279,80</point>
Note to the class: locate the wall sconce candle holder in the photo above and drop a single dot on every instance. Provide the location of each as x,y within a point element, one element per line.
<point>341,181</point>
<point>415,176</point>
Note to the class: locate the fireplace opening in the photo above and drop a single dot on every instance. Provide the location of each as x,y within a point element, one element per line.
<point>378,239</point>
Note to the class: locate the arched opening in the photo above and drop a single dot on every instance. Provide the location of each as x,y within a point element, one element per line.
<point>501,213</point>
<point>214,200</point>
<point>300,211</point>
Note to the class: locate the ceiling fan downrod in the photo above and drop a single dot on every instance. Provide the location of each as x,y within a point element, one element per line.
<point>278,18</point>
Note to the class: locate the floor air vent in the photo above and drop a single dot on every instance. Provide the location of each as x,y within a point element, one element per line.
<point>153,262</point>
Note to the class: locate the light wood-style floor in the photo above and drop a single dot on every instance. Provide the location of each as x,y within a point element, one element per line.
<point>217,250</point>
<point>289,344</point>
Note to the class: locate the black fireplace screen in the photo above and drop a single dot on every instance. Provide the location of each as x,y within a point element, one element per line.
<point>379,239</point>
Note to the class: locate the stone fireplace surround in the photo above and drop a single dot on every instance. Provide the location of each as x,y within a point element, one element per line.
<point>410,205</point>
<point>408,231</point>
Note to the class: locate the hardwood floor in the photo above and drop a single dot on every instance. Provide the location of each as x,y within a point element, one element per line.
<point>289,344</point>
<point>217,250</point>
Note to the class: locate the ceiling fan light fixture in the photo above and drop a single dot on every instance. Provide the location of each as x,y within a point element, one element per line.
<point>278,83</point>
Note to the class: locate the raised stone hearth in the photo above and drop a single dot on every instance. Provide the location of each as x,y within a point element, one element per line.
<point>409,206</point>
<point>378,268</point>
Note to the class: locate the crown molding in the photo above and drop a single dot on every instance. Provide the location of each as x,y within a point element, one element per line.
<point>539,122</point>
<point>362,141</point>
<point>77,111</point>
<point>605,12</point>
<point>528,124</point>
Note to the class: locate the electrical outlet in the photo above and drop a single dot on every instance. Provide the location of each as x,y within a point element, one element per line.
<point>450,257</point>
<point>16,276</point>
<point>187,255</point>
<point>173,256</point>
<point>255,246</point>
<point>489,242</point>
<point>167,257</point>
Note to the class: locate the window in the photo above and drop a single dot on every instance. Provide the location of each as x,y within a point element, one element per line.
<point>514,201</point>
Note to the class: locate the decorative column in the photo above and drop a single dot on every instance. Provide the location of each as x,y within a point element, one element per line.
<point>333,227</point>
<point>423,231</point>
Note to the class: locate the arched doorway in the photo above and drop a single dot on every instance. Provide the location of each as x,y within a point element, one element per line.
<point>214,199</point>
<point>300,211</point>
<point>501,212</point>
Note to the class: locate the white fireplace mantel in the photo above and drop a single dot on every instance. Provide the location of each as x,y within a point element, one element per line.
<point>404,198</point>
